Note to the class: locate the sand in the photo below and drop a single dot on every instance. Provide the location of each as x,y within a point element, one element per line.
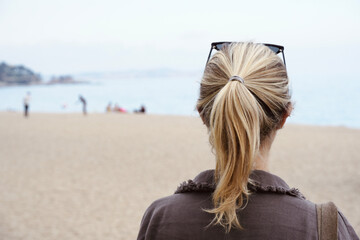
<point>66,176</point>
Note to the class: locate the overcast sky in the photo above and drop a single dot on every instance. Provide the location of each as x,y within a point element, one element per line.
<point>76,36</point>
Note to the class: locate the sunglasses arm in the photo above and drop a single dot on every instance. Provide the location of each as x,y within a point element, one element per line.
<point>283,55</point>
<point>209,54</point>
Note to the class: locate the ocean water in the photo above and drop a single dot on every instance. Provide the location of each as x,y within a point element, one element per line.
<point>160,95</point>
<point>318,101</point>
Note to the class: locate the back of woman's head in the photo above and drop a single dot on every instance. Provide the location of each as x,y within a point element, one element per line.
<point>240,115</point>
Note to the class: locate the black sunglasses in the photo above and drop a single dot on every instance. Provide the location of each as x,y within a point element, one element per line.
<point>275,48</point>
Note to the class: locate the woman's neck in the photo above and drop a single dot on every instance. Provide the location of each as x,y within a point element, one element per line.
<point>261,161</point>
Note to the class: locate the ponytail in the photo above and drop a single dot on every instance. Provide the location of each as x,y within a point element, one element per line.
<point>239,116</point>
<point>235,135</point>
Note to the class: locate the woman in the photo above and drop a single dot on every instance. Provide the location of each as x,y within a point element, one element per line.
<point>244,99</point>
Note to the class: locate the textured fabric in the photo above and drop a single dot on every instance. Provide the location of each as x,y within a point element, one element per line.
<point>274,211</point>
<point>327,221</point>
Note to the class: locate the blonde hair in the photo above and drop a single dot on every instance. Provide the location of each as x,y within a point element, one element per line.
<point>239,116</point>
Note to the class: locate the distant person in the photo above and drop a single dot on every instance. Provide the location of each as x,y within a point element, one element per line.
<point>122,110</point>
<point>117,108</point>
<point>26,104</point>
<point>108,107</point>
<point>141,110</point>
<point>83,101</point>
<point>244,100</point>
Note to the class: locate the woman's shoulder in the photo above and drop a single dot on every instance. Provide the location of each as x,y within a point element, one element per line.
<point>185,198</point>
<point>345,230</point>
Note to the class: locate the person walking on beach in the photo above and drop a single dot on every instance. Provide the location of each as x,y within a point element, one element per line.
<point>26,104</point>
<point>83,101</point>
<point>244,100</point>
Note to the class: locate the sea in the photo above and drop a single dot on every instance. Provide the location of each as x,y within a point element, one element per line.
<point>317,101</point>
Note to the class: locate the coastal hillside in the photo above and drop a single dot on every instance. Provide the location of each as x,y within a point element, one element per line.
<point>17,75</point>
<point>13,75</point>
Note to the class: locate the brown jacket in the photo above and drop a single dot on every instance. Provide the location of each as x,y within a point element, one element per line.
<point>274,211</point>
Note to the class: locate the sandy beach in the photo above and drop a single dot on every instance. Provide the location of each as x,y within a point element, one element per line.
<point>66,176</point>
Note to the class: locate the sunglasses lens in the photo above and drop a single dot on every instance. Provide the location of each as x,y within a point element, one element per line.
<point>274,49</point>
<point>220,46</point>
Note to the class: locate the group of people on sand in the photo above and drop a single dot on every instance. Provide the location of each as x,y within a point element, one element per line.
<point>82,100</point>
<point>119,109</point>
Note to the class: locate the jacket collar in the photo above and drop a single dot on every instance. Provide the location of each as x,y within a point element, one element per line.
<point>262,182</point>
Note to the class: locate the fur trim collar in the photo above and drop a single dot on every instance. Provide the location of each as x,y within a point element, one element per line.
<point>262,182</point>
